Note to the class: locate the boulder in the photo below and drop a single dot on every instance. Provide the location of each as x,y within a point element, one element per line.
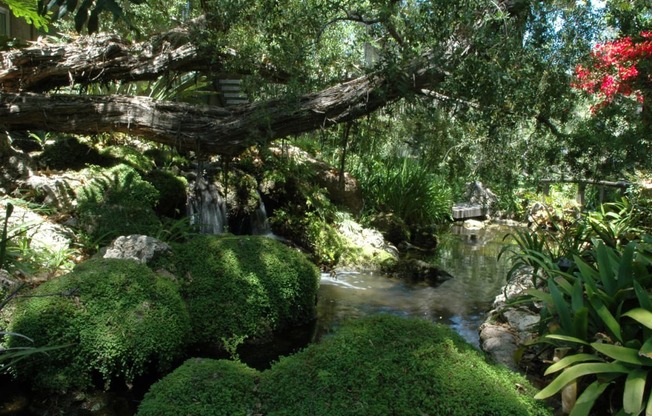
<point>418,271</point>
<point>140,248</point>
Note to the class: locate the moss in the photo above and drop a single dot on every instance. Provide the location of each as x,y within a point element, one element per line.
<point>383,365</point>
<point>203,387</point>
<point>116,316</point>
<point>241,287</point>
<point>389,365</point>
<point>117,202</point>
<point>172,192</point>
<point>130,156</point>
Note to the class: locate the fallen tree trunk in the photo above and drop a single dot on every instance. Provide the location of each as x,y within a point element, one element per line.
<point>206,129</point>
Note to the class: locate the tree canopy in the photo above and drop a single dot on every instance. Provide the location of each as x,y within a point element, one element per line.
<point>501,73</point>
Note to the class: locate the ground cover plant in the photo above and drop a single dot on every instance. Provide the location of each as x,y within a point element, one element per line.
<point>380,365</point>
<point>116,318</point>
<point>239,287</point>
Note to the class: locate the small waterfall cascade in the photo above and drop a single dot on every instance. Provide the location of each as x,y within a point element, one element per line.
<point>206,207</point>
<point>259,221</point>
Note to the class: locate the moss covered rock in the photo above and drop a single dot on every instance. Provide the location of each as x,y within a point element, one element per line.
<point>114,317</point>
<point>203,387</point>
<point>382,365</point>
<point>239,287</point>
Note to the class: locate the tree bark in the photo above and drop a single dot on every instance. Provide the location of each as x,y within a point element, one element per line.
<point>104,58</point>
<point>206,129</point>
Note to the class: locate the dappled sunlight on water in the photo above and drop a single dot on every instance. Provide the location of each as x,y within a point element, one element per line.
<point>470,256</point>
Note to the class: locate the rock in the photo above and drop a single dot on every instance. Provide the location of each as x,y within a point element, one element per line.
<point>478,201</point>
<point>45,236</point>
<point>140,248</point>
<point>473,225</point>
<point>391,227</point>
<point>500,343</point>
<point>419,271</point>
<point>58,189</point>
<point>508,327</point>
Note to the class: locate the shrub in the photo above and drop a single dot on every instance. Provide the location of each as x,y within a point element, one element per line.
<point>406,188</point>
<point>172,192</point>
<point>203,387</point>
<point>117,202</point>
<point>117,315</point>
<point>382,365</point>
<point>241,287</point>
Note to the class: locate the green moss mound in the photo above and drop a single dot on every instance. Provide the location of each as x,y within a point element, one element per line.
<point>116,316</point>
<point>244,287</point>
<point>382,365</point>
<point>203,387</point>
<point>117,202</point>
<point>386,365</point>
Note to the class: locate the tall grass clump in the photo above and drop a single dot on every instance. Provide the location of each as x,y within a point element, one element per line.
<point>405,187</point>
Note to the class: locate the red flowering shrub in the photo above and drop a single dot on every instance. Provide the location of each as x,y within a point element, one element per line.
<point>616,69</point>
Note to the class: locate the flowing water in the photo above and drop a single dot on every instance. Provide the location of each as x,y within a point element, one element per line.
<point>462,302</point>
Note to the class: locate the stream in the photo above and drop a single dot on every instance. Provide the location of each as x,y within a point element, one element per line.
<point>462,302</point>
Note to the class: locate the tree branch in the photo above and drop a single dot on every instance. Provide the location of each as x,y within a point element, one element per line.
<point>104,58</point>
<point>214,130</point>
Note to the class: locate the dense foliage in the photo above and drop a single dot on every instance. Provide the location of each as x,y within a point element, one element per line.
<point>593,281</point>
<point>117,202</point>
<point>116,317</point>
<point>376,366</point>
<point>239,288</point>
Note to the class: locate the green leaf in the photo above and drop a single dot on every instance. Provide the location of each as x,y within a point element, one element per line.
<point>585,270</point>
<point>603,312</point>
<point>540,295</point>
<point>578,371</point>
<point>646,349</point>
<point>577,295</point>
<point>561,307</point>
<point>605,269</point>
<point>587,399</point>
<point>625,270</point>
<point>640,315</point>
<point>624,354</point>
<point>643,296</point>
<point>581,323</point>
<point>566,338</point>
<point>570,360</point>
<point>634,391</point>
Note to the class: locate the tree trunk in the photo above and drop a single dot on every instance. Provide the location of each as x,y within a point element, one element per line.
<point>104,58</point>
<point>214,130</point>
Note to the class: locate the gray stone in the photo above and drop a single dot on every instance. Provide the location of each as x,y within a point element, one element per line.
<point>140,248</point>
<point>500,343</point>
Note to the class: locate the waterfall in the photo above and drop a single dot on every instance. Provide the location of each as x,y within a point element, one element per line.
<point>259,220</point>
<point>206,207</point>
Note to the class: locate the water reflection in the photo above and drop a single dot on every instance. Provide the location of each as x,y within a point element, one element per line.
<point>469,255</point>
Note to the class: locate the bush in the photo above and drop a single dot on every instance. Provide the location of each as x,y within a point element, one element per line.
<point>242,287</point>
<point>203,387</point>
<point>117,202</point>
<point>407,189</point>
<point>383,365</point>
<point>117,317</point>
<point>172,192</point>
